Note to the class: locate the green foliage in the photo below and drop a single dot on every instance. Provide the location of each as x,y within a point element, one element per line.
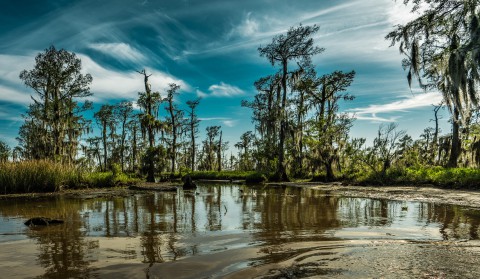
<point>465,178</point>
<point>4,151</point>
<point>116,169</point>
<point>99,179</point>
<point>53,123</point>
<point>456,178</point>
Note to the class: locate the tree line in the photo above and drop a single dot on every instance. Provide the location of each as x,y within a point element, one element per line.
<point>56,128</point>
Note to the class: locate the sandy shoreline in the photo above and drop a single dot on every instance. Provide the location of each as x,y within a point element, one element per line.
<point>427,193</point>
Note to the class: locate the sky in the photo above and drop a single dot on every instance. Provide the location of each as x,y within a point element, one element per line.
<point>210,48</point>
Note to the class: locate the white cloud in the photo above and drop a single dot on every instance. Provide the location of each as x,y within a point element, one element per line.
<point>107,83</point>
<point>201,94</point>
<point>223,120</point>
<point>221,90</point>
<point>247,28</point>
<point>417,101</point>
<point>12,88</point>
<point>11,95</point>
<point>330,10</point>
<point>399,13</point>
<point>12,65</point>
<point>229,123</point>
<point>116,84</point>
<point>121,51</point>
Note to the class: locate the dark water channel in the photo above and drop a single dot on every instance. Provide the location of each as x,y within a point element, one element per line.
<point>239,232</point>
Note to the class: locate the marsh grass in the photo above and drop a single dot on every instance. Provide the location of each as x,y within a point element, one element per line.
<point>36,176</point>
<point>48,176</point>
<point>107,179</point>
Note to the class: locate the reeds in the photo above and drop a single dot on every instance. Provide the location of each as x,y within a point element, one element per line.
<point>37,176</point>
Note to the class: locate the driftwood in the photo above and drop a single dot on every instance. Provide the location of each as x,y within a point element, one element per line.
<point>42,221</point>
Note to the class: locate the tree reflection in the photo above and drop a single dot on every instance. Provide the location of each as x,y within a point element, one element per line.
<point>64,252</point>
<point>170,226</point>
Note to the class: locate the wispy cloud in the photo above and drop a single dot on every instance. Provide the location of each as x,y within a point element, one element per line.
<point>400,13</point>
<point>248,27</point>
<point>230,123</point>
<point>111,84</point>
<point>121,51</point>
<point>371,113</point>
<point>221,90</point>
<point>334,9</point>
<point>212,118</point>
<point>107,83</point>
<point>12,95</point>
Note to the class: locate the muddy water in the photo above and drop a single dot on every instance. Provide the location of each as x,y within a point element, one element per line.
<point>237,232</point>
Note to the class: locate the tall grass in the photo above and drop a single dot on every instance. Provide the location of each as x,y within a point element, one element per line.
<point>36,176</point>
<point>48,176</point>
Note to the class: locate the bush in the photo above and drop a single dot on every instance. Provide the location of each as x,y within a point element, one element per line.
<point>457,178</point>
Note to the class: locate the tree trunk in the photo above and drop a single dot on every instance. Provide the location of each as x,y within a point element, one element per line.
<point>193,145</point>
<point>329,170</point>
<point>104,141</point>
<point>134,149</point>
<point>219,153</point>
<point>455,148</point>
<point>122,146</point>
<point>281,174</point>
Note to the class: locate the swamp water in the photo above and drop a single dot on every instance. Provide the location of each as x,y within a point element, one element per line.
<point>232,231</point>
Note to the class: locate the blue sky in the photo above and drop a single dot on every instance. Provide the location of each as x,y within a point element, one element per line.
<point>210,49</point>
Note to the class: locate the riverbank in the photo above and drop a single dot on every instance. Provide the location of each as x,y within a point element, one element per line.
<point>424,193</point>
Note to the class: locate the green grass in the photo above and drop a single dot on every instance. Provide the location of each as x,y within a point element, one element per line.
<point>107,179</point>
<point>48,176</point>
<point>36,176</point>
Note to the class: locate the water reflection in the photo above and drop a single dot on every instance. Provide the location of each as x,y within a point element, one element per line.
<point>152,228</point>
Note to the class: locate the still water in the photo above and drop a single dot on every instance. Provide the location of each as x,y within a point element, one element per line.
<point>238,232</point>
